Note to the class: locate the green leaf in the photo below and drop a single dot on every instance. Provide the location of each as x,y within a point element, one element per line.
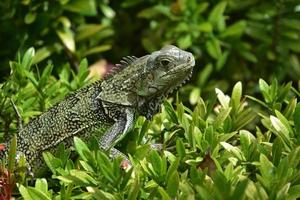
<point>248,56</point>
<point>223,99</point>
<point>41,185</point>
<point>106,167</point>
<point>32,79</point>
<point>248,141</point>
<point>24,193</point>
<point>195,95</point>
<point>204,75</point>
<point>30,193</point>
<point>67,38</point>
<point>156,10</point>
<point>170,111</point>
<point>293,45</point>
<point>30,17</point>
<point>164,194</point>
<point>222,116</point>
<point>280,128</point>
<point>221,184</point>
<point>294,157</point>
<point>45,76</point>
<point>200,111</point>
<point>100,195</point>
<point>205,27</point>
<point>291,23</point>
<point>107,11</point>
<point>173,184</point>
<point>290,108</point>
<point>222,60</point>
<point>234,150</point>
<point>216,17</point>
<point>172,169</point>
<point>185,41</point>
<point>97,49</point>
<point>211,138</point>
<point>84,7</point>
<point>265,90</point>
<point>134,189</point>
<point>86,166</point>
<point>282,193</point>
<point>257,101</point>
<point>227,136</point>
<point>239,191</point>
<point>258,31</point>
<point>42,53</point>
<point>85,31</point>
<point>294,192</point>
<point>12,154</point>
<point>157,162</point>
<point>277,149</point>
<point>180,148</point>
<point>52,162</point>
<point>236,96</point>
<point>82,149</point>
<point>213,48</point>
<point>27,58</point>
<point>296,120</point>
<point>142,151</point>
<point>266,167</point>
<point>83,71</point>
<point>235,29</point>
<point>285,123</point>
<point>83,177</point>
<point>244,118</point>
<point>143,131</point>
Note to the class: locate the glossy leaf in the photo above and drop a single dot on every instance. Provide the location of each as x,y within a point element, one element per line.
<point>84,7</point>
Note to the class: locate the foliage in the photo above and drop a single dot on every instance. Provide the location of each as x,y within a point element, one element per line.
<point>58,29</point>
<point>34,90</point>
<point>239,146</point>
<point>227,147</point>
<point>231,40</point>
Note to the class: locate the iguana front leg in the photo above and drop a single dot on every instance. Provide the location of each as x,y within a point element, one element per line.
<point>122,125</point>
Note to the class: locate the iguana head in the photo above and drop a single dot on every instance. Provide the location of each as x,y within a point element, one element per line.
<point>144,82</point>
<point>164,71</point>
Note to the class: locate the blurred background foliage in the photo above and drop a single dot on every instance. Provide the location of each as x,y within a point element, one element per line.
<point>232,40</point>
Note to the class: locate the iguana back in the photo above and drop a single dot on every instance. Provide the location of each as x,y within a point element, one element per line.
<point>78,114</point>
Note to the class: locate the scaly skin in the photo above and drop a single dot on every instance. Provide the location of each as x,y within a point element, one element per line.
<point>110,106</point>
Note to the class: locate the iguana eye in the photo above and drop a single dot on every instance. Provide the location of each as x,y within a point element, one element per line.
<point>164,62</point>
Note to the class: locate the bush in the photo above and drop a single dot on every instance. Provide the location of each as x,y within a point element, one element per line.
<point>226,147</point>
<point>65,31</point>
<point>232,41</point>
<point>215,146</point>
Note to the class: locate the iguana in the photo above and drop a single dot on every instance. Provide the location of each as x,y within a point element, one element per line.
<point>110,106</point>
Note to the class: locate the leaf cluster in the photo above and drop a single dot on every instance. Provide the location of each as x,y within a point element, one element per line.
<point>226,147</point>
